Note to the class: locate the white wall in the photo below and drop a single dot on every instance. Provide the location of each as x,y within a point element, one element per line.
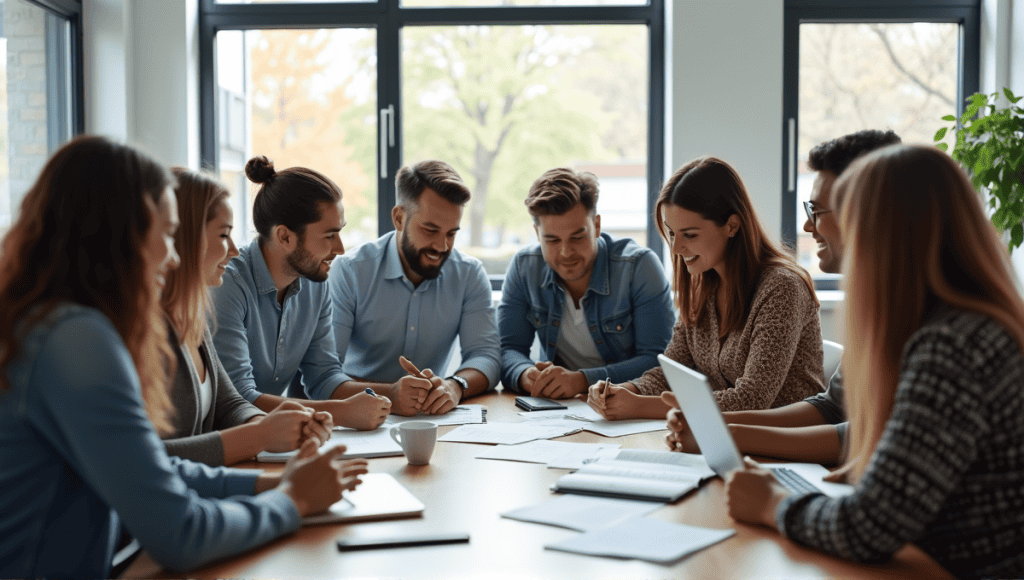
<point>141,74</point>
<point>727,93</point>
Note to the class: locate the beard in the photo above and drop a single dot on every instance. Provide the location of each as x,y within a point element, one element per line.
<point>412,257</point>
<point>304,263</point>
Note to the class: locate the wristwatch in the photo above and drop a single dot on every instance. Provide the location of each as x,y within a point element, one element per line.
<point>462,382</point>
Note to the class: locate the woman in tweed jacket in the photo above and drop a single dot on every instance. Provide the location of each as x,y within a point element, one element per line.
<point>213,424</point>
<point>934,375</point>
<point>748,314</point>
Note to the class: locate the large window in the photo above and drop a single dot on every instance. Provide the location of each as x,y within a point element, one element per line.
<point>503,93</point>
<point>865,64</point>
<point>40,91</point>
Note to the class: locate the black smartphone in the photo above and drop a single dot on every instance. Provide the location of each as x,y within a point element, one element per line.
<point>347,544</point>
<point>538,404</point>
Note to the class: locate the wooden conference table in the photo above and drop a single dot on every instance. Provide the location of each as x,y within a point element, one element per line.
<point>462,493</point>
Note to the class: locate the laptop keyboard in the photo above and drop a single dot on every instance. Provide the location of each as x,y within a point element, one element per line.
<point>793,482</point>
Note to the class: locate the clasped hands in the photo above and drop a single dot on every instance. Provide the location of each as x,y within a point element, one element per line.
<point>548,380</point>
<point>421,391</point>
<point>291,424</point>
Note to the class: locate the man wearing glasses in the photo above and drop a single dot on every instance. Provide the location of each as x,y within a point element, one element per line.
<point>813,429</point>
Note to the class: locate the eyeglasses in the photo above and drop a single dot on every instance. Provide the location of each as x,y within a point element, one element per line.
<point>812,213</point>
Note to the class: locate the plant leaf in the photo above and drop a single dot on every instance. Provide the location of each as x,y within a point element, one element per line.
<point>942,146</point>
<point>949,118</point>
<point>1016,236</point>
<point>1009,95</point>
<point>940,134</point>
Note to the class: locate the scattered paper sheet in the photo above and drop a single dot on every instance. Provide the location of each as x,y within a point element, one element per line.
<point>460,415</point>
<point>556,454</point>
<point>644,539</point>
<point>579,413</point>
<point>583,513</point>
<point>506,433</point>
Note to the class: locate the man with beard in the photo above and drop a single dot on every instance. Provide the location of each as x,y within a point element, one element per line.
<point>273,311</point>
<point>600,307</point>
<point>410,293</point>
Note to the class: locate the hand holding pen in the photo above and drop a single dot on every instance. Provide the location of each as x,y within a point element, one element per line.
<point>410,391</point>
<point>441,398</point>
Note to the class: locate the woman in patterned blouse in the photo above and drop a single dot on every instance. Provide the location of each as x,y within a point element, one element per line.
<point>748,314</point>
<point>934,376</point>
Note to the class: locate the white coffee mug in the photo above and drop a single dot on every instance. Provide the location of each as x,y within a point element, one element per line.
<point>417,439</point>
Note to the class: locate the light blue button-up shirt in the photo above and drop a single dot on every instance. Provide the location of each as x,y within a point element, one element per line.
<point>263,344</point>
<point>80,459</point>
<point>379,315</point>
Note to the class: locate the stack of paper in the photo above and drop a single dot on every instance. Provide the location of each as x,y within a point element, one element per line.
<point>643,539</point>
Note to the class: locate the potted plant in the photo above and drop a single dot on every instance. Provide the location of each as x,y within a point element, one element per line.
<point>990,147</point>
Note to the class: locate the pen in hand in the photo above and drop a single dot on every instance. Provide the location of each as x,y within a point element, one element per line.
<point>410,368</point>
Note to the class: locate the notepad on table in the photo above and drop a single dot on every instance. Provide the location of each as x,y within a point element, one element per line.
<point>379,497</point>
<point>376,443</point>
<point>637,474</point>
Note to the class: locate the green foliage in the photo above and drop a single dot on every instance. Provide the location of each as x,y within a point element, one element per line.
<point>990,147</point>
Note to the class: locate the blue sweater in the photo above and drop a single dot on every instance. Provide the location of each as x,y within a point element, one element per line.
<point>80,455</point>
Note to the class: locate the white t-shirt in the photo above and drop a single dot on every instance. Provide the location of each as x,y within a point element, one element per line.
<point>575,344</point>
<point>205,395</point>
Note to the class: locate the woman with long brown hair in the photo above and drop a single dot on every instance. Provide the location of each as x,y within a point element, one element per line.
<point>213,423</point>
<point>83,369</point>
<point>748,316</point>
<point>934,371</point>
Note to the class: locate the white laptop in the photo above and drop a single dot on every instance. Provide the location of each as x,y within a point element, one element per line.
<point>697,401</point>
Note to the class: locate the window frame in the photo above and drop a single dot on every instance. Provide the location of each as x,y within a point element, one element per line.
<point>388,17</point>
<point>65,80</point>
<point>966,13</point>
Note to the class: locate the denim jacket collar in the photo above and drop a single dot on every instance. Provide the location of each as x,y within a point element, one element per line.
<point>599,282</point>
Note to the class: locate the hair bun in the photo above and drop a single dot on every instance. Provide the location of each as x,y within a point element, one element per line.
<point>259,169</point>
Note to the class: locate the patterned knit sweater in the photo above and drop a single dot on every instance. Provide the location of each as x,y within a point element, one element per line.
<point>948,472</point>
<point>775,359</point>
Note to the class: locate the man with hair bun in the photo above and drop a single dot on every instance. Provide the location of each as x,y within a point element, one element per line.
<point>600,307</point>
<point>273,311</point>
<point>411,293</point>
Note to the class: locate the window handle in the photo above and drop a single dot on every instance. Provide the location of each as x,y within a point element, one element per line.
<point>792,154</point>
<point>387,137</point>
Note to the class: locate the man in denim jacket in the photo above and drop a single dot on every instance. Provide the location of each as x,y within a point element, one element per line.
<point>600,307</point>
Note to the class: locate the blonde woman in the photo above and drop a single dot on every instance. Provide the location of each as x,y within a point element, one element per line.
<point>934,376</point>
<point>748,314</point>
<point>212,422</point>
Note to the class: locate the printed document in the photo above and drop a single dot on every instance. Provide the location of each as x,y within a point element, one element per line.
<point>644,539</point>
<point>582,513</point>
<point>556,454</point>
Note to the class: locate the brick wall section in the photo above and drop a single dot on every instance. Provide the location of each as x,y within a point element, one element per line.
<point>25,30</point>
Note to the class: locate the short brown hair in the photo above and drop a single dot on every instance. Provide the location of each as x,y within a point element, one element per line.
<point>559,190</point>
<point>437,175</point>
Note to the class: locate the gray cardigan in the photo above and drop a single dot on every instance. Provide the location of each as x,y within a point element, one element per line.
<point>194,438</point>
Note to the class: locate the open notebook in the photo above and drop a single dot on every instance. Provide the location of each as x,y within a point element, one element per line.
<point>379,497</point>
